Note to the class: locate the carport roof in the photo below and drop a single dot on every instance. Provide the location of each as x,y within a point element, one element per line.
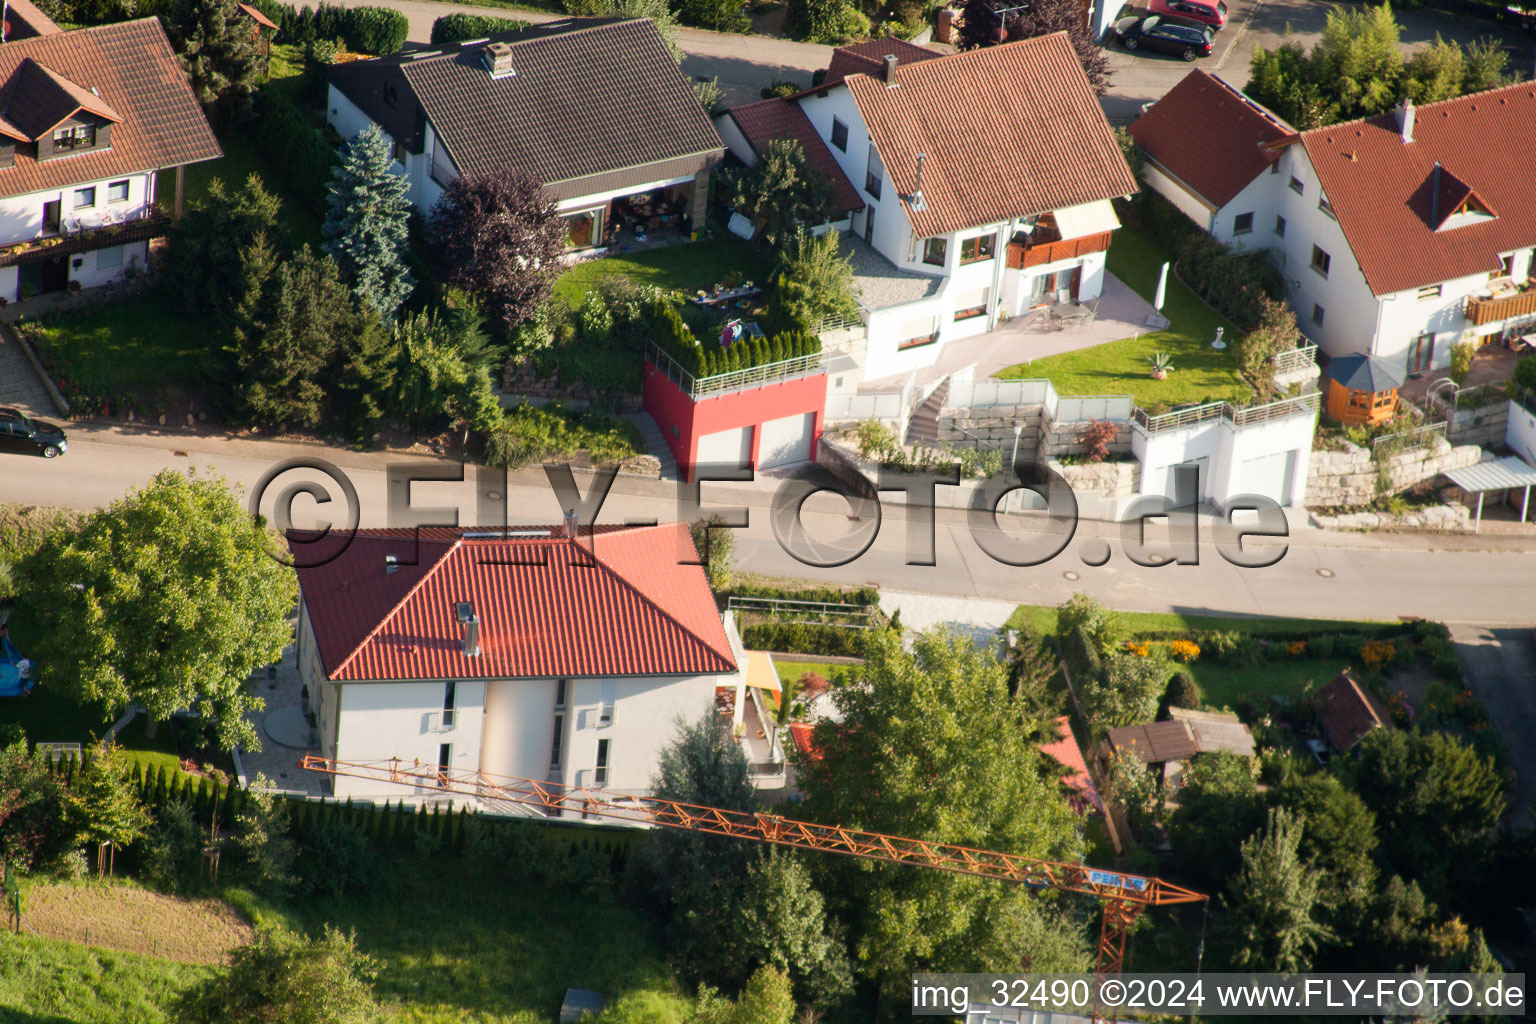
<point>1498,475</point>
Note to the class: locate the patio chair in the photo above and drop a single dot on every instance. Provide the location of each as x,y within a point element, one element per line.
<point>1090,310</point>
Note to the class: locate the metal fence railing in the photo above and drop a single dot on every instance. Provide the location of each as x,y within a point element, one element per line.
<point>784,605</point>
<point>1296,359</point>
<point>733,380</point>
<point>1285,408</point>
<point>1525,400</point>
<point>1407,440</point>
<point>836,323</point>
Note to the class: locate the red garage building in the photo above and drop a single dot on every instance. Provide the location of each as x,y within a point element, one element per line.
<point>762,416</point>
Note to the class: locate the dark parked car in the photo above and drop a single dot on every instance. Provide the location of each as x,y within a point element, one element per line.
<point>20,434</point>
<point>1171,35</point>
<point>1207,12</point>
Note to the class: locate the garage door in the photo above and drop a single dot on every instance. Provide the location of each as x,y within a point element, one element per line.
<point>1269,475</point>
<point>786,440</point>
<point>731,447</point>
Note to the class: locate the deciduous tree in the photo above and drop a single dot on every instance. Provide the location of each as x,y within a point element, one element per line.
<point>780,191</point>
<point>366,227</point>
<point>783,923</point>
<point>1273,899</point>
<point>284,977</point>
<point>263,838</point>
<point>445,370</point>
<point>107,805</point>
<point>35,821</point>
<point>1219,806</point>
<point>1125,692</point>
<point>1338,840</point>
<point>980,25</point>
<point>497,235</point>
<point>813,281</point>
<point>169,598</point>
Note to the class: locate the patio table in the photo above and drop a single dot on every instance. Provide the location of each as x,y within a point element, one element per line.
<point>1070,312</point>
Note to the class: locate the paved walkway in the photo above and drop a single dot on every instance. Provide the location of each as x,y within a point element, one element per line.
<point>280,761</point>
<point>20,387</point>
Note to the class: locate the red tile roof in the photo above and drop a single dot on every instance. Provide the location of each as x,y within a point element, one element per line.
<point>257,16</point>
<point>779,118</point>
<point>802,735</point>
<point>1008,131</point>
<point>1210,137</point>
<point>1383,190</point>
<point>547,607</point>
<point>1348,712</point>
<point>24,19</point>
<point>124,70</point>
<point>868,57</point>
<point>1066,751</point>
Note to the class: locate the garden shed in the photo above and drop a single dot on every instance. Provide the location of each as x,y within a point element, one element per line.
<point>1362,389</point>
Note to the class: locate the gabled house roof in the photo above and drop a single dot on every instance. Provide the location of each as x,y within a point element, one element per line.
<point>616,603</point>
<point>1210,137</point>
<point>124,73</point>
<point>1215,731</point>
<point>868,57</point>
<point>779,118</point>
<point>584,97</point>
<point>256,16</point>
<point>1006,131</point>
<point>1066,752</point>
<point>24,19</point>
<point>1155,742</point>
<point>1387,199</point>
<point>1347,712</point>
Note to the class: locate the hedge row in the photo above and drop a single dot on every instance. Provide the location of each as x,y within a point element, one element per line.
<point>455,28</point>
<point>829,595</point>
<point>284,128</point>
<point>805,638</point>
<point>375,30</point>
<point>758,352</point>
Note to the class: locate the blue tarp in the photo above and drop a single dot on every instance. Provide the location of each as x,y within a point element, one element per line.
<point>13,681</point>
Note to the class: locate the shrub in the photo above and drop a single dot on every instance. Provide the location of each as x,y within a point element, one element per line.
<point>1247,652</point>
<point>1096,438</point>
<point>1322,646</point>
<point>826,595</point>
<point>375,30</point>
<point>1235,283</point>
<point>169,854</point>
<point>804,638</point>
<point>455,28</point>
<point>1377,653</point>
<point>833,22</point>
<point>1181,693</point>
<point>1101,627</point>
<point>1461,360</point>
<point>1525,373</point>
<point>1184,650</point>
<point>307,160</point>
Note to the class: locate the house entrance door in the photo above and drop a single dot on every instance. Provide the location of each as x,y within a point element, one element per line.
<point>1421,352</point>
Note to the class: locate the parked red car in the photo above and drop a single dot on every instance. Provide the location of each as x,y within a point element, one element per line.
<point>1207,12</point>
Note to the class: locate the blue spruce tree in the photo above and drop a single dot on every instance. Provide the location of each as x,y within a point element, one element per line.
<point>365,227</point>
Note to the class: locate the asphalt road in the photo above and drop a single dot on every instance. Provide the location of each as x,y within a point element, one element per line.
<point>1465,579</point>
<point>1500,668</point>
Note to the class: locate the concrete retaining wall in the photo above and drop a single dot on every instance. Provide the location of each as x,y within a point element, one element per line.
<point>1350,477</point>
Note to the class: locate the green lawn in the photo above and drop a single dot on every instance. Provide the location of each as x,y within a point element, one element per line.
<point>141,348</point>
<point>44,981</point>
<point>686,267</point>
<point>243,156</point>
<point>1222,685</point>
<point>791,671</point>
<point>48,716</point>
<point>1042,618</point>
<point>1200,373</point>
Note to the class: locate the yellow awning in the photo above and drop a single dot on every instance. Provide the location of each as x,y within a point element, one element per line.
<point>761,672</point>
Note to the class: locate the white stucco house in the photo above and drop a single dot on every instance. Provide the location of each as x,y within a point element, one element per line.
<point>594,108</point>
<point>985,181</point>
<point>1398,235</point>
<point>527,653</point>
<point>91,123</point>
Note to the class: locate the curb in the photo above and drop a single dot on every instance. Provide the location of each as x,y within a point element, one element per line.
<point>37,365</point>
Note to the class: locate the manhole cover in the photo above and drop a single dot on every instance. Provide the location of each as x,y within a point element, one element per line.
<point>1326,574</point>
<point>1157,559</point>
<point>1069,574</point>
<point>493,495</point>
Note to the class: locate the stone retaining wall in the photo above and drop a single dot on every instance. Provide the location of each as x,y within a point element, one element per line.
<point>1435,517</point>
<point>1350,477</point>
<point>1066,439</point>
<point>1104,479</point>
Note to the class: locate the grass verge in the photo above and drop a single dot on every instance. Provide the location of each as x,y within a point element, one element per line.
<point>1200,373</point>
<point>47,980</point>
<point>1042,618</point>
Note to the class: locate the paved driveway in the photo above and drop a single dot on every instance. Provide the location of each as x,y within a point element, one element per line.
<point>20,387</point>
<point>1500,668</point>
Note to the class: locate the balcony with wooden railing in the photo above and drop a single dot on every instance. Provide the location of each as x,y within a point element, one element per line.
<point>1482,311</point>
<point>1046,246</point>
<point>76,237</point>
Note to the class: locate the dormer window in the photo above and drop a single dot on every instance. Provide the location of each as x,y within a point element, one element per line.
<point>80,136</point>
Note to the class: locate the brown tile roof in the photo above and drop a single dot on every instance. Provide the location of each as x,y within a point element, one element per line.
<point>1215,731</point>
<point>1155,742</point>
<point>779,118</point>
<point>24,19</point>
<point>1210,137</point>
<point>868,57</point>
<point>586,96</point>
<point>1008,131</point>
<point>1348,712</point>
<point>257,16</point>
<point>122,71</point>
<point>1384,193</point>
<point>35,99</point>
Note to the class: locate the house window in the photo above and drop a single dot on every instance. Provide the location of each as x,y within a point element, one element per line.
<point>1429,291</point>
<point>444,762</point>
<point>448,708</point>
<point>1274,168</point>
<point>85,197</point>
<point>1327,207</point>
<point>559,694</point>
<point>970,305</point>
<point>935,251</point>
<point>400,152</point>
<point>839,134</point>
<point>110,257</point>
<point>555,742</point>
<point>1242,224</point>
<point>1296,185</point>
<point>1318,312</point>
<point>1321,261</point>
<point>874,176</point>
<point>117,192</point>
<point>974,250</point>
<point>600,777</point>
<point>1280,226</point>
<point>81,136</point>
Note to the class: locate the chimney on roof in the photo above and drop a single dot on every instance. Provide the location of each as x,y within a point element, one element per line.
<point>465,612</point>
<point>1405,114</point>
<point>888,69</point>
<point>497,58</point>
<point>1434,199</point>
<point>572,524</point>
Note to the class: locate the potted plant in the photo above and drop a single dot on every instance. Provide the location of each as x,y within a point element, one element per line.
<point>1162,364</point>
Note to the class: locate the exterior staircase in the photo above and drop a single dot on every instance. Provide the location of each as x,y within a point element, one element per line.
<point>923,427</point>
<point>650,433</point>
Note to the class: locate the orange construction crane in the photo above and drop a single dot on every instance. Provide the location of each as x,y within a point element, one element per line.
<point>1124,896</point>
